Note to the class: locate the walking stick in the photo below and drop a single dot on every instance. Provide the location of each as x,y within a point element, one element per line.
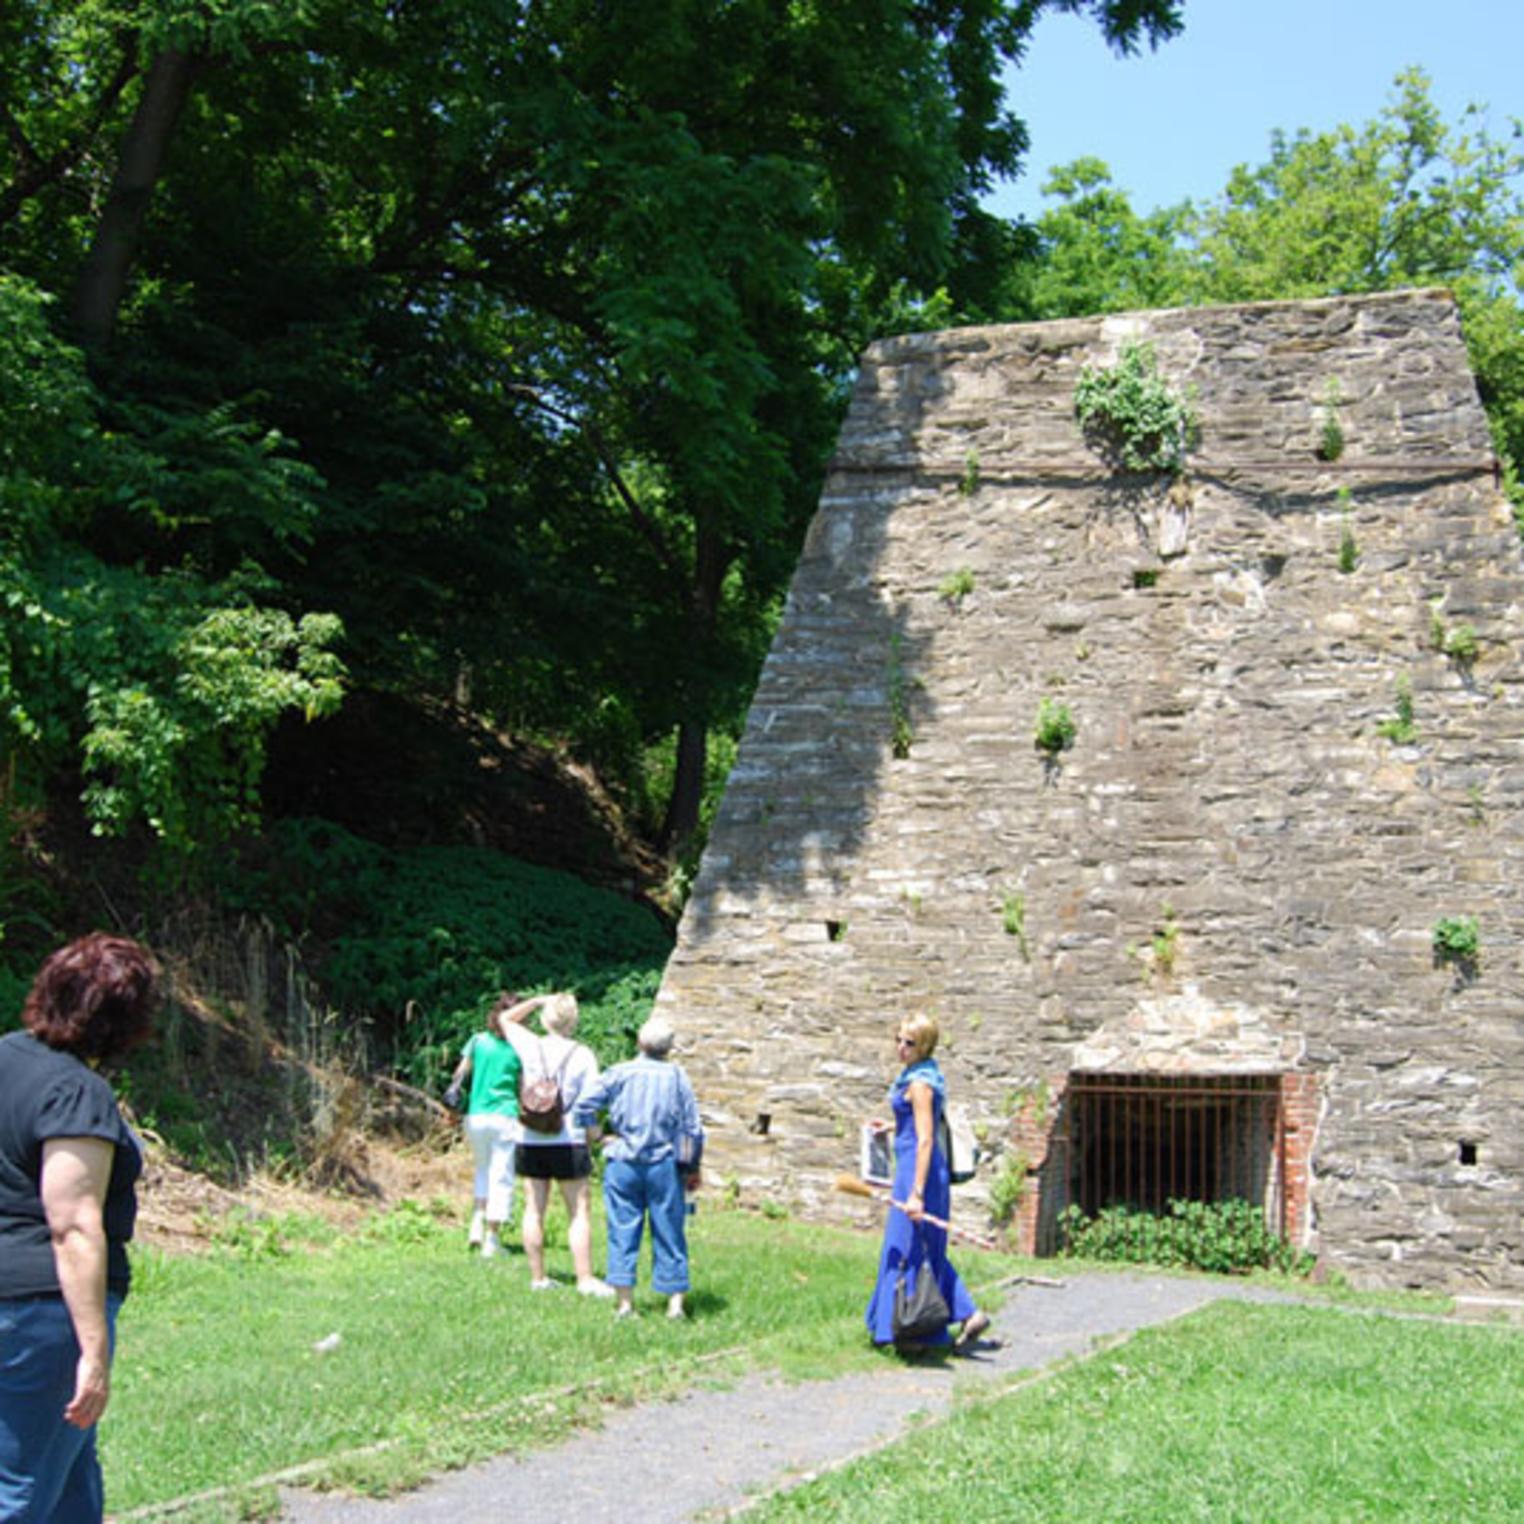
<point>851,1185</point>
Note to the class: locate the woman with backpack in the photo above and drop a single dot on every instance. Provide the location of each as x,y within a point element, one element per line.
<point>551,1145</point>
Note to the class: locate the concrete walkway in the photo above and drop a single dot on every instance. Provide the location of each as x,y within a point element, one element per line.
<point>708,1452</point>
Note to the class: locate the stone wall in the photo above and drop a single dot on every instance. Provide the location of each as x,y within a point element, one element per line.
<point>1228,680</point>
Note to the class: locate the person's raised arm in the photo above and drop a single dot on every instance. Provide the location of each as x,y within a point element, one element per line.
<point>922,1110</point>
<point>520,1013</point>
<point>75,1172</point>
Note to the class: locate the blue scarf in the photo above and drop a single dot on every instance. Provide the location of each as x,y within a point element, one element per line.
<point>925,1071</point>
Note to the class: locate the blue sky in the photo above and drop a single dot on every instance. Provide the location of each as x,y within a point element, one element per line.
<point>1172,124</point>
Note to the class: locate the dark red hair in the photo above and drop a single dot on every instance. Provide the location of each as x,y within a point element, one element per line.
<point>95,997</point>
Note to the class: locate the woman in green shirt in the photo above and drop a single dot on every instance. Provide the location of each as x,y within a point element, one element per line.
<point>491,1063</point>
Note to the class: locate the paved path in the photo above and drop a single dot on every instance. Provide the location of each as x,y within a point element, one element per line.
<point>708,1452</point>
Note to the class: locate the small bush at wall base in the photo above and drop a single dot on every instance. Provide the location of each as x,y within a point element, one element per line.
<point>1220,1236</point>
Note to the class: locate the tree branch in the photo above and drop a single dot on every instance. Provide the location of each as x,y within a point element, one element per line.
<point>642,520</point>
<point>38,172</point>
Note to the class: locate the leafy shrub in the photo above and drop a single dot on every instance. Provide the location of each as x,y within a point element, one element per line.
<point>1457,939</point>
<point>1220,1236</point>
<point>419,941</point>
<point>1133,414</point>
<point>1055,727</point>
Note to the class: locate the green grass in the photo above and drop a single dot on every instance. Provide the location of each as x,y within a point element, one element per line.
<point>444,1358</point>
<point>1235,1413</point>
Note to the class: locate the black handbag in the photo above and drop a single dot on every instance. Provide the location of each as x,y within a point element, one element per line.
<point>920,1309</point>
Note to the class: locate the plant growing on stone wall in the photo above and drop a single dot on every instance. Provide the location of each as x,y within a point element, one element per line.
<point>1055,727</point>
<point>1165,945</point>
<point>1401,728</point>
<point>1007,1188</point>
<point>1013,915</point>
<point>968,483</point>
<point>1349,551</point>
<point>1331,437</point>
<point>1457,942</point>
<point>956,586</point>
<point>1476,802</point>
<point>897,686</point>
<point>1461,645</point>
<point>1133,415</point>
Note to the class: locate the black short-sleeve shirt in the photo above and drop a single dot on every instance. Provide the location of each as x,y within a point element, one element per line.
<point>47,1094</point>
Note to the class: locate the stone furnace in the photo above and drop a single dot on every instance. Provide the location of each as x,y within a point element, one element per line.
<point>1218,944</point>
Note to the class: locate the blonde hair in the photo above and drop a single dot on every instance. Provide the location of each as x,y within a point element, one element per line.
<point>923,1031</point>
<point>560,1014</point>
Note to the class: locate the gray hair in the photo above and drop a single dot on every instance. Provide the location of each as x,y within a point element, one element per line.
<point>560,1014</point>
<point>655,1037</point>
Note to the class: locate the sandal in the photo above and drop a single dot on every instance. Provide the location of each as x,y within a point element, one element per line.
<point>973,1325</point>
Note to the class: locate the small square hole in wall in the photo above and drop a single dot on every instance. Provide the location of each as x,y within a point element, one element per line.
<point>763,1125</point>
<point>1468,1153</point>
<point>836,930</point>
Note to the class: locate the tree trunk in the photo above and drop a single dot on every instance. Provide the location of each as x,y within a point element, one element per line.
<point>103,279</point>
<point>711,562</point>
<point>687,786</point>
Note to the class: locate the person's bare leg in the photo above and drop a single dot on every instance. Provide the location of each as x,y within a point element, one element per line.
<point>536,1199</point>
<point>579,1236</point>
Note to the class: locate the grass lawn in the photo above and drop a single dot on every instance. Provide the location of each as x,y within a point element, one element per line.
<point>443,1357</point>
<point>1238,1412</point>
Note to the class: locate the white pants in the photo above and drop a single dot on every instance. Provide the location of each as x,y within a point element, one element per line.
<point>493,1141</point>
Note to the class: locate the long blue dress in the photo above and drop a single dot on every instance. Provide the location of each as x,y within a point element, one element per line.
<point>907,1243</point>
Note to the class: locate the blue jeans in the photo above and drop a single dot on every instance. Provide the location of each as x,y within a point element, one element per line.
<point>631,1192</point>
<point>49,1471</point>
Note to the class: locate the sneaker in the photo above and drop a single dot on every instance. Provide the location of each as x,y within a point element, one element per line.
<point>545,1285</point>
<point>624,1310</point>
<point>595,1287</point>
<point>491,1248</point>
<point>677,1312</point>
<point>478,1231</point>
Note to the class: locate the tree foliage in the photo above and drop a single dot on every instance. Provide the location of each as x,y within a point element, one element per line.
<point>508,339</point>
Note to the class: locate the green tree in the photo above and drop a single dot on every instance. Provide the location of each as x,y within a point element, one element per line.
<point>550,309</point>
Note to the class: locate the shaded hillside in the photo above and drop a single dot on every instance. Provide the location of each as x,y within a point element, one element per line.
<point>411,774</point>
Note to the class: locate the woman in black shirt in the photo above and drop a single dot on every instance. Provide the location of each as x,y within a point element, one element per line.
<point>68,1164</point>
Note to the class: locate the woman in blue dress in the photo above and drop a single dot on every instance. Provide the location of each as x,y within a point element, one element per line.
<point>921,1189</point>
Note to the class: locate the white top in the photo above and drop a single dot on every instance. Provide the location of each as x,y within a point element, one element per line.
<point>545,1057</point>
